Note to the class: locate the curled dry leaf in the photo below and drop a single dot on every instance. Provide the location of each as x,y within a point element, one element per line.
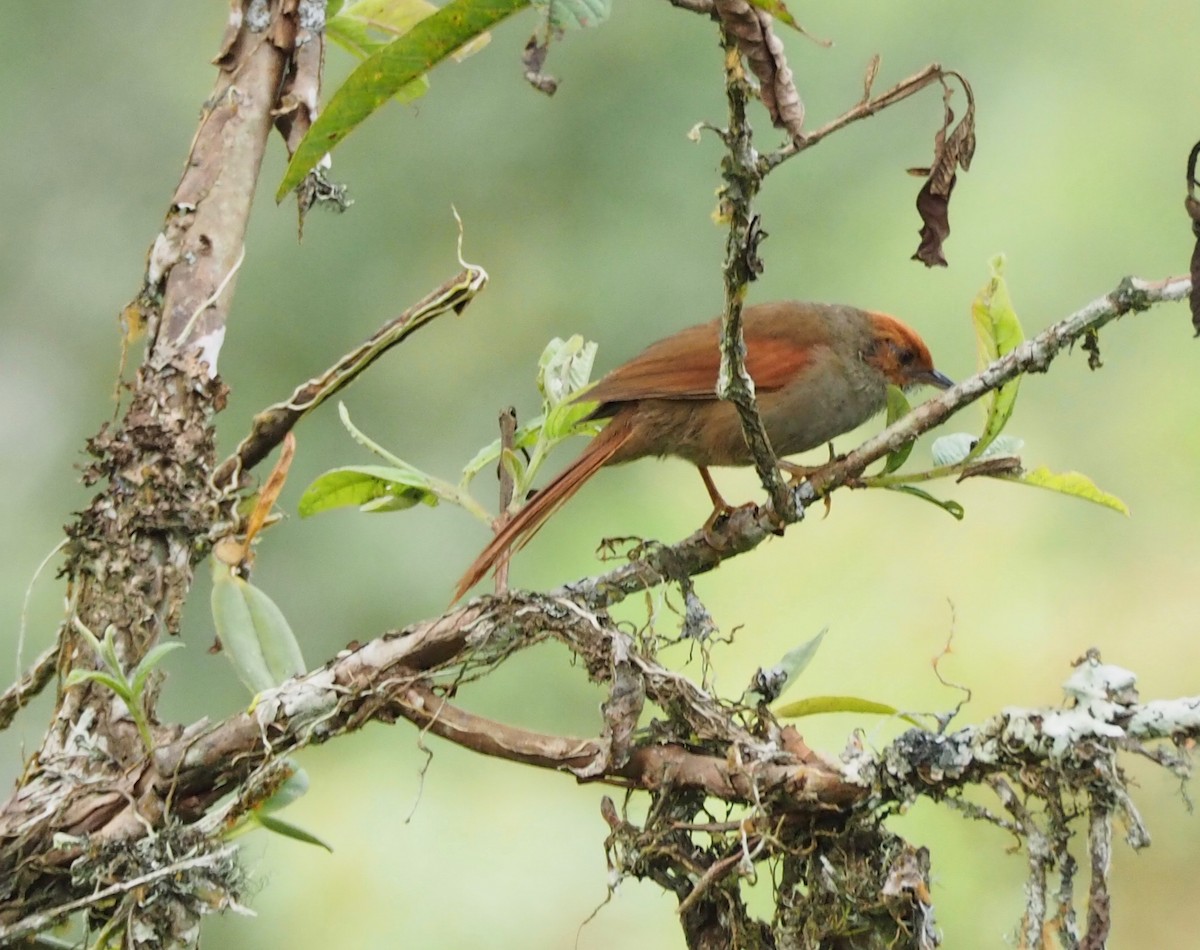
<point>1193,209</point>
<point>952,149</point>
<point>756,40</point>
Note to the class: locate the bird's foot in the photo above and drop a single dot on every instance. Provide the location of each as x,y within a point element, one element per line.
<point>798,472</point>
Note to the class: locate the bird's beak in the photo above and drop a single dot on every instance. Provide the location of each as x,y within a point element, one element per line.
<point>934,378</point>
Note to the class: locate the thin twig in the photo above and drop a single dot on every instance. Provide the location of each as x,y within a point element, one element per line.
<point>276,421</point>
<point>508,431</point>
<point>28,686</point>
<point>868,107</point>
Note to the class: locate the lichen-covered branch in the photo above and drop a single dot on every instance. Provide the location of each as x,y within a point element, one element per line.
<point>742,265</point>
<point>130,554</point>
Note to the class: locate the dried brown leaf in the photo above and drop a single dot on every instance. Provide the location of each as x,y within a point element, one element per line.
<point>764,53</point>
<point>953,148</point>
<point>935,215</point>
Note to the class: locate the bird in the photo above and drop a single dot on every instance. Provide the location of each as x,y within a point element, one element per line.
<point>819,370</point>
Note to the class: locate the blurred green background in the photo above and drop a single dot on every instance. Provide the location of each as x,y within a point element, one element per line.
<point>591,212</point>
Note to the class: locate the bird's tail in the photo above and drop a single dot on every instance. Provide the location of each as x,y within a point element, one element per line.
<point>525,524</point>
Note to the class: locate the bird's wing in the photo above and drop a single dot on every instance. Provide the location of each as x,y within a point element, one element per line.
<point>685,366</point>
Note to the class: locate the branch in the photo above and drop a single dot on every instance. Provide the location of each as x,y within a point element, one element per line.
<point>742,265</point>
<point>746,528</point>
<point>194,259</point>
<point>864,109</point>
<point>276,421</point>
<point>29,685</point>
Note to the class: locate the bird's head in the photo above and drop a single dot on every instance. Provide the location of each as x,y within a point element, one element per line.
<point>900,356</point>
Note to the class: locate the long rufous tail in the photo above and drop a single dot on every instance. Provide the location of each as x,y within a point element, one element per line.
<point>525,524</point>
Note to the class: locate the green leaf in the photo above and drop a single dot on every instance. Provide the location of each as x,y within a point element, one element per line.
<point>371,487</point>
<point>153,657</point>
<point>524,438</point>
<point>381,75</point>
<point>953,507</point>
<point>997,331</point>
<point>818,705</point>
<point>366,27</point>
<point>254,633</point>
<point>235,627</point>
<point>108,652</point>
<point>788,669</point>
<point>564,369</point>
<point>288,830</point>
<point>954,448</point>
<point>897,408</point>
<point>117,685</point>
<point>778,11</point>
<point>574,14</point>
<point>280,648</point>
<point>568,419</point>
<point>1069,483</point>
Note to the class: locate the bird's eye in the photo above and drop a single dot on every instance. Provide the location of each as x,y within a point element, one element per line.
<point>907,357</point>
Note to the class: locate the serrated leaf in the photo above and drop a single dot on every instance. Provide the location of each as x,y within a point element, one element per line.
<point>381,75</point>
<point>288,830</point>
<point>997,331</point>
<point>1003,445</point>
<point>951,449</point>
<point>564,368</point>
<point>817,705</point>
<point>954,448</point>
<point>897,408</point>
<point>952,507</point>
<point>574,14</point>
<point>371,487</point>
<point>1070,483</point>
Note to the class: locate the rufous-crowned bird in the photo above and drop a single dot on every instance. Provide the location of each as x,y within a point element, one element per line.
<point>819,370</point>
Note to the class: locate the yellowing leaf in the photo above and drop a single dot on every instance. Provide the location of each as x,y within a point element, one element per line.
<point>816,705</point>
<point>1070,483</point>
<point>897,408</point>
<point>998,331</point>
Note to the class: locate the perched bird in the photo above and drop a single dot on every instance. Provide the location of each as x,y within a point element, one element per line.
<point>819,370</point>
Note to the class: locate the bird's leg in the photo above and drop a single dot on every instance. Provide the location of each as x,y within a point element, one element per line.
<point>721,508</point>
<point>720,505</point>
